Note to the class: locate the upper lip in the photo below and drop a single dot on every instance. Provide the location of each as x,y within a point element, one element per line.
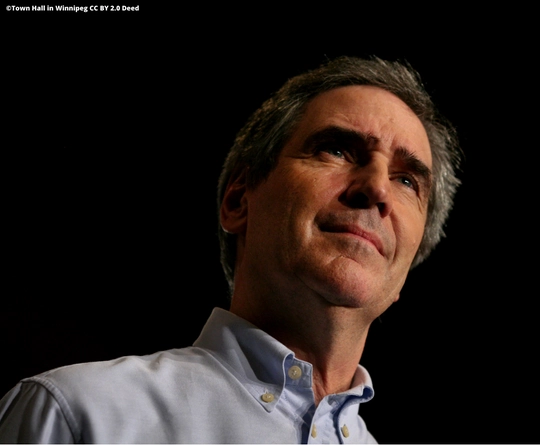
<point>356,230</point>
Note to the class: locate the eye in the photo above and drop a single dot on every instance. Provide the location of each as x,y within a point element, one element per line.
<point>408,182</point>
<point>334,151</point>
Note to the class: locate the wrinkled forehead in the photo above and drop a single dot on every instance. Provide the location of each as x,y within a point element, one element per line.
<point>369,110</point>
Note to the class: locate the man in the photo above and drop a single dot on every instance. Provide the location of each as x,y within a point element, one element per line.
<point>333,190</point>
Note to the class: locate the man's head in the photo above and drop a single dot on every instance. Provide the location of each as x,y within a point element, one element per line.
<point>260,143</point>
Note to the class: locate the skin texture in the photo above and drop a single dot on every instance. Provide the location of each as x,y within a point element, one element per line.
<point>326,241</point>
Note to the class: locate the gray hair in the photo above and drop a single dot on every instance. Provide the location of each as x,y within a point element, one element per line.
<point>259,143</point>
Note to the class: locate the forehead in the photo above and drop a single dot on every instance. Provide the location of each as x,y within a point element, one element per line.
<point>370,110</point>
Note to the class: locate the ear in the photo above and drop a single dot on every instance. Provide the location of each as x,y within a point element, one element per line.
<point>233,211</point>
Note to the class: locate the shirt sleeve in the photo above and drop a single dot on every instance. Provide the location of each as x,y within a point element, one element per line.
<point>30,414</point>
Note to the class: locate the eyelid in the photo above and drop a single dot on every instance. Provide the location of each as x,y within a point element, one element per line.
<point>333,146</point>
<point>416,186</point>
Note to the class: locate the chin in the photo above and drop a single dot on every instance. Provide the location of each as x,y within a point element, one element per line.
<point>353,292</point>
<point>342,281</point>
<point>354,286</point>
<point>349,298</point>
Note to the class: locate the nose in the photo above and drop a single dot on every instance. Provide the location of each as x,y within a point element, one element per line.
<point>370,187</point>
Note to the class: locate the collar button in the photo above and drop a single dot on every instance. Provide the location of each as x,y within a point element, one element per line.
<point>295,372</point>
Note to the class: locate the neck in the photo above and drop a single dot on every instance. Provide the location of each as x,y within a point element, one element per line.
<point>331,338</point>
<point>333,348</point>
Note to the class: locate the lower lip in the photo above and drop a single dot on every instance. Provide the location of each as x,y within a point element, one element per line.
<point>357,237</point>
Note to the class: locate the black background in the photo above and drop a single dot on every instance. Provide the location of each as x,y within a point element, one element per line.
<point>116,128</point>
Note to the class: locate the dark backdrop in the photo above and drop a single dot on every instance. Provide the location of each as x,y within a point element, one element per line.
<point>116,128</point>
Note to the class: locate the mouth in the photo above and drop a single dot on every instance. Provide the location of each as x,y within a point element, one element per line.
<point>355,232</point>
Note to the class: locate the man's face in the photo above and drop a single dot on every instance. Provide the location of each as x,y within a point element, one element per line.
<point>343,213</point>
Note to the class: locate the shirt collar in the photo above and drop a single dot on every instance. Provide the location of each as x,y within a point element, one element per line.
<point>259,361</point>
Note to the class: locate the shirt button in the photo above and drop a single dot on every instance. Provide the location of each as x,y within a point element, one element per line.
<point>295,372</point>
<point>314,432</point>
<point>345,431</point>
<point>267,397</point>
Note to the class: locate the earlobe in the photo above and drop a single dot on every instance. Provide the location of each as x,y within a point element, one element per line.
<point>233,211</point>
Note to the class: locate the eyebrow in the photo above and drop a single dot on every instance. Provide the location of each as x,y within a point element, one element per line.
<point>354,138</point>
<point>340,135</point>
<point>414,165</point>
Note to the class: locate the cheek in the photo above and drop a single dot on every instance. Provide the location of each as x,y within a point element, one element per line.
<point>303,193</point>
<point>286,204</point>
<point>322,188</point>
<point>276,208</point>
<point>409,233</point>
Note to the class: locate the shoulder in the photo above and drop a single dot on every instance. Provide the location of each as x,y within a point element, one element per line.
<point>114,376</point>
<point>30,414</point>
<point>88,401</point>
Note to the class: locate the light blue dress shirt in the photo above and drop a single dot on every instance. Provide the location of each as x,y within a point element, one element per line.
<point>236,384</point>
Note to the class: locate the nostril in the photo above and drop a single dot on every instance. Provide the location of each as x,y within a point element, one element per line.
<point>361,200</point>
<point>356,200</point>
